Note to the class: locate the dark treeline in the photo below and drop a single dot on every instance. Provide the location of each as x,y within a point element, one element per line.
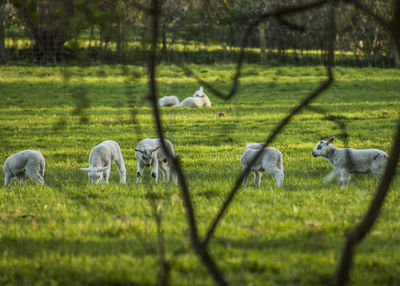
<point>197,31</point>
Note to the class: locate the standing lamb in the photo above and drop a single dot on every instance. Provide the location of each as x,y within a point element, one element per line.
<point>199,98</point>
<point>100,160</point>
<point>23,165</point>
<point>149,152</point>
<point>346,161</point>
<point>270,161</point>
<point>168,101</point>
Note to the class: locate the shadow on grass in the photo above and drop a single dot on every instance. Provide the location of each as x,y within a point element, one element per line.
<point>30,247</point>
<point>312,239</point>
<point>110,93</point>
<point>50,274</point>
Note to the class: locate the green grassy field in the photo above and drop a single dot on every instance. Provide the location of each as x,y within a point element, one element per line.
<point>73,233</point>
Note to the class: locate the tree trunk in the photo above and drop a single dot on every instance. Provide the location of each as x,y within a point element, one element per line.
<point>2,37</point>
<point>261,34</point>
<point>396,57</point>
<point>91,36</point>
<point>48,44</point>
<point>2,43</point>
<point>119,40</point>
<point>164,39</point>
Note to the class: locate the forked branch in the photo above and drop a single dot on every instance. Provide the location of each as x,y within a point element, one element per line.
<point>280,127</point>
<point>251,24</point>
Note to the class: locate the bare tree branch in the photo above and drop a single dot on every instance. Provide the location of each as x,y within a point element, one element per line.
<point>278,129</point>
<point>362,7</point>
<point>279,12</point>
<point>357,235</point>
<point>269,140</point>
<point>342,276</point>
<point>164,266</point>
<point>341,124</point>
<point>291,25</point>
<point>142,7</point>
<point>197,245</point>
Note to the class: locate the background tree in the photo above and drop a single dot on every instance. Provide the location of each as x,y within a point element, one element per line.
<point>2,33</point>
<point>51,23</point>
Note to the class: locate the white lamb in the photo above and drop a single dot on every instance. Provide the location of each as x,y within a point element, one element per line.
<point>199,98</point>
<point>149,152</point>
<point>100,160</point>
<point>23,165</point>
<point>346,161</point>
<point>270,161</point>
<point>168,101</point>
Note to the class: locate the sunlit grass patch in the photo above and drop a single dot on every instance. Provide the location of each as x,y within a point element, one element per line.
<point>70,232</point>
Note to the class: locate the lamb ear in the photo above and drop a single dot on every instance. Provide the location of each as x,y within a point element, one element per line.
<point>201,92</point>
<point>85,169</point>
<point>155,149</point>
<point>331,140</point>
<point>137,150</point>
<point>100,169</point>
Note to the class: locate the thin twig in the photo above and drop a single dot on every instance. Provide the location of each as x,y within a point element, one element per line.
<point>164,266</point>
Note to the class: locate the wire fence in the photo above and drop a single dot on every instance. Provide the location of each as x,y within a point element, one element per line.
<point>202,44</point>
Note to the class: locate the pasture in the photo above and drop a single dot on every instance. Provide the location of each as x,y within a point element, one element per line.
<point>70,232</point>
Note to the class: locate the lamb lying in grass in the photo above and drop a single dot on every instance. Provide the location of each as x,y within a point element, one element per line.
<point>346,161</point>
<point>199,98</point>
<point>23,165</point>
<point>270,161</point>
<point>100,160</point>
<point>149,152</point>
<point>168,101</point>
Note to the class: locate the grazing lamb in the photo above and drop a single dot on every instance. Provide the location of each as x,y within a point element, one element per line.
<point>270,161</point>
<point>199,98</point>
<point>23,165</point>
<point>347,160</point>
<point>149,152</point>
<point>168,101</point>
<point>100,160</point>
